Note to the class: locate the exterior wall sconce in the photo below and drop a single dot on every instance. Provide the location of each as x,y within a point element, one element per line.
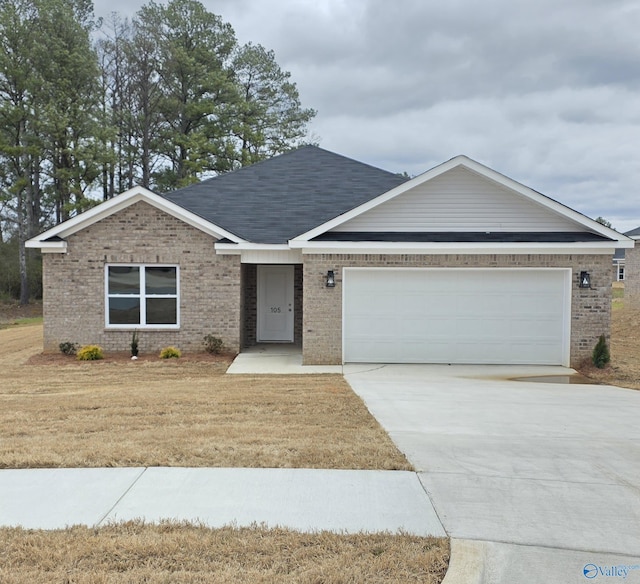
<point>585,280</point>
<point>331,279</point>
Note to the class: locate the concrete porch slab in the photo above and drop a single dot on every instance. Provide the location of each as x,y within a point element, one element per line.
<point>276,359</point>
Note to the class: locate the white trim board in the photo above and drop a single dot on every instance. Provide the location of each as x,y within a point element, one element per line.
<point>430,248</point>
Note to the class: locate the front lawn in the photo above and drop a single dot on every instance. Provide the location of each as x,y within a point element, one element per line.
<point>58,412</point>
<point>134,552</point>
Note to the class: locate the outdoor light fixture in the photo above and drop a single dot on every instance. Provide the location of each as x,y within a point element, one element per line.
<point>331,279</point>
<point>585,280</point>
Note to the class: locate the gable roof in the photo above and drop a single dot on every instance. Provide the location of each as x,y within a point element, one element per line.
<point>52,240</point>
<point>276,200</point>
<point>573,219</point>
<point>619,254</point>
<point>300,199</point>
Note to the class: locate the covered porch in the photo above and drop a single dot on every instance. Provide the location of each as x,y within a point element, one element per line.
<point>271,308</point>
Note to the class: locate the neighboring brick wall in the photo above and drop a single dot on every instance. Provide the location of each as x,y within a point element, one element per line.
<point>632,277</point>
<point>74,294</point>
<point>591,309</point>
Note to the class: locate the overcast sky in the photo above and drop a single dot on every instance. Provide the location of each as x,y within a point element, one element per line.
<point>544,91</point>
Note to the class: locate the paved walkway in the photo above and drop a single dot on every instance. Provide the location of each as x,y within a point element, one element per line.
<point>545,474</point>
<point>301,499</point>
<point>276,359</point>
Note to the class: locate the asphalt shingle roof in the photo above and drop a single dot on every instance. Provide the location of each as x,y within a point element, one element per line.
<point>620,252</point>
<point>280,198</point>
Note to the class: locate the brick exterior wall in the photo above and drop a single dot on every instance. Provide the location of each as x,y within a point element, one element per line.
<point>74,288</point>
<point>322,344</point>
<point>249,316</point>
<point>632,277</point>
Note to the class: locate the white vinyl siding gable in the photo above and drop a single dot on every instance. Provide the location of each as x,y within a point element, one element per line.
<point>459,200</point>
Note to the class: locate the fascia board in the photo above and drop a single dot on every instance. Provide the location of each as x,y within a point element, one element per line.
<point>238,248</point>
<point>47,246</point>
<point>482,170</point>
<point>600,248</point>
<point>123,201</point>
<point>254,246</point>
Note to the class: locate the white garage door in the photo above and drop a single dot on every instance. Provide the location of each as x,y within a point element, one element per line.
<point>423,315</point>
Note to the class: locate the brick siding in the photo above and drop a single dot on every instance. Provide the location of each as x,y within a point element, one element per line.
<point>322,344</point>
<point>74,288</point>
<point>632,277</point>
<point>218,295</point>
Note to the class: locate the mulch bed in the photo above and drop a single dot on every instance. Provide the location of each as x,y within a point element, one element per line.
<point>123,357</point>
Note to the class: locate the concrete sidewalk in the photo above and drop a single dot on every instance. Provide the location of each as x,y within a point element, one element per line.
<point>348,501</point>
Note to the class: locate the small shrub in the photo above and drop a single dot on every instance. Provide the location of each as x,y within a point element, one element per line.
<point>68,348</point>
<point>170,353</point>
<point>601,355</point>
<point>213,344</point>
<point>90,353</point>
<point>134,344</point>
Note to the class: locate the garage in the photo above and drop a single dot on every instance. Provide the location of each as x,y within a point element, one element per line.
<point>457,315</point>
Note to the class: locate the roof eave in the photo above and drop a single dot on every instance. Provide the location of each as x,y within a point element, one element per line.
<point>47,246</point>
<point>472,248</point>
<point>118,203</point>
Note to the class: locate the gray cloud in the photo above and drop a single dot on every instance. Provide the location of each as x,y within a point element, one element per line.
<point>543,91</point>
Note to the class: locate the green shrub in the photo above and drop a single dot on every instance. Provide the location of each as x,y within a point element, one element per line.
<point>213,344</point>
<point>601,355</point>
<point>90,353</point>
<point>170,353</point>
<point>68,348</point>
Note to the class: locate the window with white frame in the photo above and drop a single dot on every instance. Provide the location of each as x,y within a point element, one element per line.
<point>142,296</point>
<point>620,272</point>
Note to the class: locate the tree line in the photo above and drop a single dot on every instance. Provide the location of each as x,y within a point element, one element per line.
<point>89,109</point>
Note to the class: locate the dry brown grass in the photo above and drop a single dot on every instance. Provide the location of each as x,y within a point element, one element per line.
<point>624,369</point>
<point>134,552</point>
<point>58,412</point>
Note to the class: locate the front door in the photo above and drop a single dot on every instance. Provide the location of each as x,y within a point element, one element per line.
<point>275,304</point>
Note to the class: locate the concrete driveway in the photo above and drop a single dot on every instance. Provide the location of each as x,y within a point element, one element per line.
<point>526,465</point>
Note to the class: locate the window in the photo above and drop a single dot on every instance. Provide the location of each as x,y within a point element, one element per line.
<point>142,296</point>
<point>620,272</point>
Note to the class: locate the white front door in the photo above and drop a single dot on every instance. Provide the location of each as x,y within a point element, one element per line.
<point>275,304</point>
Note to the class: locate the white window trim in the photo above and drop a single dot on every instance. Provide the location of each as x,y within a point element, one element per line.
<point>142,296</point>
